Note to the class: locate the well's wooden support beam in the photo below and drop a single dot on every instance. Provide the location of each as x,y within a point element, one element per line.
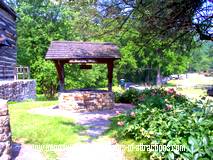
<point>60,70</point>
<point>110,74</point>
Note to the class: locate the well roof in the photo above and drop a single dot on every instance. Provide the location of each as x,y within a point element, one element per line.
<point>60,50</point>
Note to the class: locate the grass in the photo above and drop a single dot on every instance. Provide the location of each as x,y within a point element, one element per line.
<point>43,130</point>
<point>114,89</point>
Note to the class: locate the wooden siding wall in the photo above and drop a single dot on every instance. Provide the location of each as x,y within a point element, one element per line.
<point>7,52</point>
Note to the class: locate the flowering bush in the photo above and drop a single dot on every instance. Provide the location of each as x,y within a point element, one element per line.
<point>128,96</point>
<point>164,117</point>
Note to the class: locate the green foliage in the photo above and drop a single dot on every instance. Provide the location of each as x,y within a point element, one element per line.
<point>166,118</point>
<point>41,22</point>
<point>155,97</point>
<point>46,77</point>
<point>93,78</point>
<point>129,96</point>
<point>201,58</point>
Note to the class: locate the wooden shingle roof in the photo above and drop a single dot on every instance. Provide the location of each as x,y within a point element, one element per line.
<point>60,50</point>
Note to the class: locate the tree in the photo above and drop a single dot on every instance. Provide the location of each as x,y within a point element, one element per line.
<point>201,58</point>
<point>167,19</point>
<point>154,41</point>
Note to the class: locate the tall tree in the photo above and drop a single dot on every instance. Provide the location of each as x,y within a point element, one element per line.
<point>168,19</point>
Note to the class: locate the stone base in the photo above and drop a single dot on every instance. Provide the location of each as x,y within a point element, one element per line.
<point>5,132</point>
<point>81,101</point>
<point>18,90</point>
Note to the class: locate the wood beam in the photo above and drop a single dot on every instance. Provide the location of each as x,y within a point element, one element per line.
<point>60,72</point>
<point>110,66</point>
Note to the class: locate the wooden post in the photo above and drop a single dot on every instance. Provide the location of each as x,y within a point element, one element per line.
<point>23,72</point>
<point>28,71</point>
<point>60,71</point>
<point>15,73</point>
<point>110,75</point>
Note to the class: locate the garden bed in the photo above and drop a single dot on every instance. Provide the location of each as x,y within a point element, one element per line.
<point>165,118</point>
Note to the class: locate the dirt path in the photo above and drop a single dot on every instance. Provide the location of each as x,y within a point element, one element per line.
<point>96,122</point>
<point>95,147</point>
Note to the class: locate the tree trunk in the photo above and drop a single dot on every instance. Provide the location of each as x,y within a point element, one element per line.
<point>158,78</point>
<point>147,79</point>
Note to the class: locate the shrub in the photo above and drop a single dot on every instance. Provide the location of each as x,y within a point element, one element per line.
<point>129,96</point>
<point>164,117</point>
<point>46,78</point>
<point>117,97</point>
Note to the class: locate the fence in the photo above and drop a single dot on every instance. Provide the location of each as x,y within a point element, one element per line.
<point>17,72</point>
<point>22,72</point>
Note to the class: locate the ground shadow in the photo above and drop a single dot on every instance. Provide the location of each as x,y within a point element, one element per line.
<point>16,147</point>
<point>96,122</point>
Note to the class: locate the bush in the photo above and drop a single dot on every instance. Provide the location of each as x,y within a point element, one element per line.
<point>129,96</point>
<point>156,96</point>
<point>164,117</point>
<point>46,78</point>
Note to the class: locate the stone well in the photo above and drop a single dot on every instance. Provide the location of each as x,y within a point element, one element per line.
<point>5,132</point>
<point>86,100</point>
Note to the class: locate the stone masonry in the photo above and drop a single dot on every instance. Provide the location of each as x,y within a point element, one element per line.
<point>81,101</point>
<point>18,90</point>
<point>5,132</point>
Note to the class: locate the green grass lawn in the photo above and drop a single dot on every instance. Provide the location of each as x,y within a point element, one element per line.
<point>38,129</point>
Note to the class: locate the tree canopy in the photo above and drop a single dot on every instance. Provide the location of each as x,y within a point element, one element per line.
<point>156,38</point>
<point>167,19</point>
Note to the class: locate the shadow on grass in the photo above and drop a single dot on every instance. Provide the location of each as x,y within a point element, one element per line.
<point>79,130</point>
<point>76,128</point>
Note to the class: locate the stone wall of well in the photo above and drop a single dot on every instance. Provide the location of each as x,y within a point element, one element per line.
<point>18,90</point>
<point>81,101</point>
<point>5,132</point>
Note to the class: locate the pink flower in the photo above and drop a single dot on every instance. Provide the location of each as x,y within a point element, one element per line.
<point>171,91</point>
<point>169,107</point>
<point>120,123</point>
<point>133,114</point>
<point>117,112</point>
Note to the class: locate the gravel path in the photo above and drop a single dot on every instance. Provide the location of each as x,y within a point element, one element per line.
<point>96,123</point>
